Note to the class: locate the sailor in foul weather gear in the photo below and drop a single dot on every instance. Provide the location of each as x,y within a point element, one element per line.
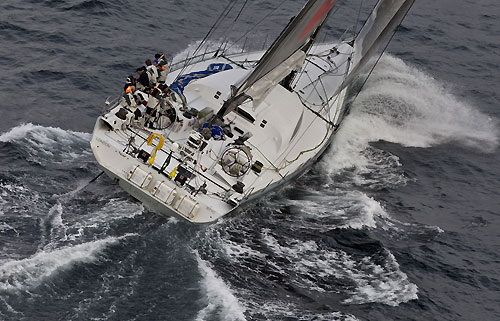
<point>143,80</point>
<point>161,64</point>
<point>142,100</point>
<point>134,101</point>
<point>128,99</point>
<point>153,107</point>
<point>162,60</point>
<point>152,72</point>
<point>125,113</point>
<point>130,81</point>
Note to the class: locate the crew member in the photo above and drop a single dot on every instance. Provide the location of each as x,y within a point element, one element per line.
<point>152,72</point>
<point>130,81</point>
<point>143,80</point>
<point>128,99</point>
<point>161,64</point>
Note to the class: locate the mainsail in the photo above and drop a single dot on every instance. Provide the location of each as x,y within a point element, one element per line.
<point>283,52</point>
<point>385,18</point>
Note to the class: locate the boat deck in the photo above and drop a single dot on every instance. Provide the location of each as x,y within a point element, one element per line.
<point>284,134</point>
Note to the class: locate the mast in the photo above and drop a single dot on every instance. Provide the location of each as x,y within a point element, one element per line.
<point>284,55</point>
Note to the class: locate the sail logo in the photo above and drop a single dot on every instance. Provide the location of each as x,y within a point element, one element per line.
<point>316,19</point>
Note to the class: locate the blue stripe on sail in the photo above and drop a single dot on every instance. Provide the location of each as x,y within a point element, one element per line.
<point>181,82</point>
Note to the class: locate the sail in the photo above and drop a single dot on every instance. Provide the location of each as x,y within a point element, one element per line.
<point>296,34</point>
<point>384,19</point>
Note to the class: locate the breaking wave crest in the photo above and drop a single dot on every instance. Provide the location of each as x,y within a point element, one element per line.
<point>342,209</point>
<point>19,275</point>
<point>221,302</point>
<point>42,144</point>
<point>376,277</point>
<point>403,105</point>
<point>43,135</point>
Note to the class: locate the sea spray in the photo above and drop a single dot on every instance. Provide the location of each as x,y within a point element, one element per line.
<point>24,274</point>
<point>404,105</point>
<point>221,302</point>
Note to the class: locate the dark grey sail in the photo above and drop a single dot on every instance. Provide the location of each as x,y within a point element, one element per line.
<point>294,37</point>
<point>384,19</point>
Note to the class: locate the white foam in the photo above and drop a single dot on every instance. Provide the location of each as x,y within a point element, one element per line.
<point>221,302</point>
<point>115,209</point>
<point>368,209</point>
<point>279,310</point>
<point>52,226</point>
<point>10,309</point>
<point>8,192</point>
<point>171,220</point>
<point>42,133</point>
<point>237,251</point>
<point>403,105</point>
<point>352,209</point>
<point>385,283</point>
<point>6,227</point>
<point>18,275</point>
<point>48,143</point>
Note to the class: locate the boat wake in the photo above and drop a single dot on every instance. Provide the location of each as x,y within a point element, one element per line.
<point>50,225</point>
<point>282,265</point>
<point>315,242</point>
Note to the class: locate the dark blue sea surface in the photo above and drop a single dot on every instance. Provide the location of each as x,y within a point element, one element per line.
<point>398,221</point>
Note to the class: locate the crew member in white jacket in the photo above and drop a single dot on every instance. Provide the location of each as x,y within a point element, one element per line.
<point>152,72</point>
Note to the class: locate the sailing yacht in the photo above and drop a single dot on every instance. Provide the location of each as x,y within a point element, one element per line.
<point>225,129</point>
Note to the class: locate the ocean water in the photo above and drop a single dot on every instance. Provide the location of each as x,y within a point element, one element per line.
<point>398,221</point>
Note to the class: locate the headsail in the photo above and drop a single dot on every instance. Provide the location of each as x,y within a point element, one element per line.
<point>294,37</point>
<point>384,19</point>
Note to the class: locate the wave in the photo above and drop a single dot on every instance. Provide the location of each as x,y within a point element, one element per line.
<point>19,275</point>
<point>289,311</point>
<point>384,283</point>
<point>404,105</point>
<point>222,304</point>
<point>43,135</point>
<point>88,6</point>
<point>376,277</point>
<point>47,144</point>
<point>337,209</point>
<point>307,265</point>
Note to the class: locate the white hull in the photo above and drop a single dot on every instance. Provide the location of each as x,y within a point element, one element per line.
<point>285,136</point>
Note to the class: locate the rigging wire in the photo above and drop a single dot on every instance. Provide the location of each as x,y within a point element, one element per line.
<point>254,26</point>
<point>329,126</point>
<point>378,59</point>
<point>217,23</point>
<point>230,28</point>
<point>355,31</point>
<point>296,81</point>
<point>371,12</point>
